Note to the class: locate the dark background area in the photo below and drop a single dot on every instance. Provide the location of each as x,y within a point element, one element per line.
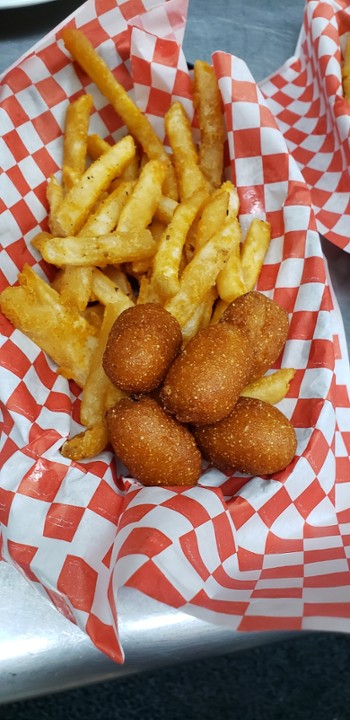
<point>303,678</point>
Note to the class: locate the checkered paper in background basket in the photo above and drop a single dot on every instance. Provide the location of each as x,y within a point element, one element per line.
<point>251,553</point>
<point>306,98</point>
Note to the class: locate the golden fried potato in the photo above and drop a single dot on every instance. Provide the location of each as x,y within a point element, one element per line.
<point>142,344</point>
<point>256,438</point>
<point>265,322</point>
<point>155,448</point>
<point>204,382</point>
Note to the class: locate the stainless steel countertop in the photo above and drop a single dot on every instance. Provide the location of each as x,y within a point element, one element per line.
<point>41,651</point>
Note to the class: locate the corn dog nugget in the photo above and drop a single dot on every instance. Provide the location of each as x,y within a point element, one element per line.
<point>205,380</point>
<point>142,344</point>
<point>266,324</point>
<point>256,438</point>
<point>155,448</point>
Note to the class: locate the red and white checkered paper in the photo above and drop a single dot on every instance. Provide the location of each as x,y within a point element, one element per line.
<point>251,553</point>
<point>306,98</point>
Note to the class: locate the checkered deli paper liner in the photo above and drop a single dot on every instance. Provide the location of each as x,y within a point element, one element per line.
<point>306,98</point>
<point>250,553</point>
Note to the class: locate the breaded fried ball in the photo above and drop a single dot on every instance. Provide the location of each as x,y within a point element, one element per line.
<point>142,344</point>
<point>265,322</point>
<point>204,382</point>
<point>155,448</point>
<point>256,438</point>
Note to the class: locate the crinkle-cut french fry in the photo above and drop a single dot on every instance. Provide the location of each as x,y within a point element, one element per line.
<point>75,140</point>
<point>219,309</point>
<point>271,388</point>
<point>213,216</point>
<point>81,198</point>
<point>105,217</point>
<point>189,175</point>
<point>104,289</point>
<point>138,212</point>
<point>119,278</point>
<point>200,317</point>
<point>207,102</point>
<point>166,262</point>
<point>138,124</point>
<point>76,285</point>
<point>96,146</point>
<point>230,282</point>
<point>86,444</point>
<point>201,273</point>
<point>103,250</point>
<point>165,209</point>
<point>54,194</point>
<point>93,403</point>
<point>36,309</point>
<point>254,249</point>
<point>346,71</point>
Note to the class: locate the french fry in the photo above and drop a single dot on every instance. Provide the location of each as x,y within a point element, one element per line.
<point>75,140</point>
<point>254,250</point>
<point>96,146</point>
<point>271,388</point>
<point>166,262</point>
<point>119,278</point>
<point>54,194</point>
<point>79,201</point>
<point>105,218</point>
<point>346,71</point>
<point>230,282</point>
<point>199,276</point>
<point>105,289</point>
<point>37,310</point>
<point>219,309</point>
<point>137,123</point>
<point>102,250</point>
<point>213,216</point>
<point>189,175</point>
<point>165,209</point>
<point>76,285</point>
<point>201,316</point>
<point>93,403</point>
<point>86,444</point>
<point>207,102</point>
<point>138,212</point>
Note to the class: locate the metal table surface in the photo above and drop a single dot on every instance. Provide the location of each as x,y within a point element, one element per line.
<point>41,651</point>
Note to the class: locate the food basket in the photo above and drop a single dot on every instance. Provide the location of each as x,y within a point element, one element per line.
<point>250,553</point>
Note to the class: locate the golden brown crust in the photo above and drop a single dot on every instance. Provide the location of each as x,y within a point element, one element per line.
<point>204,382</point>
<point>142,344</point>
<point>155,448</point>
<point>265,322</point>
<point>255,438</point>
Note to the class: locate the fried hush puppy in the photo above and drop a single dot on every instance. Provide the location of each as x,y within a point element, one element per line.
<point>266,324</point>
<point>142,344</point>
<point>155,448</point>
<point>205,380</point>
<point>256,438</point>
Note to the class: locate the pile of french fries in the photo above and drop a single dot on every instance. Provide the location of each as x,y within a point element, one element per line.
<point>133,223</point>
